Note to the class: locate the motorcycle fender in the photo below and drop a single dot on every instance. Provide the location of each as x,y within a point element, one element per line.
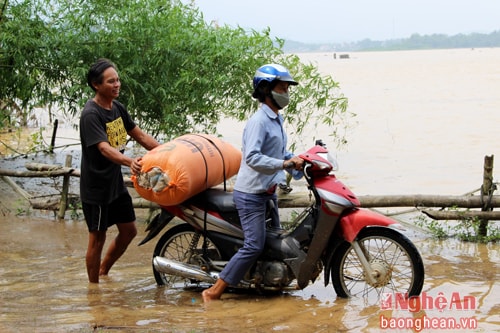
<point>154,227</point>
<point>351,224</point>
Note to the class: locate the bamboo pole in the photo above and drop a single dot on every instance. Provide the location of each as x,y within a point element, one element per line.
<point>41,167</point>
<point>64,194</point>
<point>16,187</point>
<point>50,203</point>
<point>301,199</point>
<point>34,174</point>
<point>487,192</point>
<point>461,215</point>
<point>53,140</point>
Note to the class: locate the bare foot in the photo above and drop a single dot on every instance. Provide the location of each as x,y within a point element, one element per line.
<point>215,291</point>
<point>208,295</point>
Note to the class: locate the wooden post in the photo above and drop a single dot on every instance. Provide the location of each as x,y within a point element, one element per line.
<point>17,188</point>
<point>53,141</point>
<point>65,188</point>
<point>487,192</point>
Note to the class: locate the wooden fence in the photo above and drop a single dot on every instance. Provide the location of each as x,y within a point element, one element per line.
<point>463,206</point>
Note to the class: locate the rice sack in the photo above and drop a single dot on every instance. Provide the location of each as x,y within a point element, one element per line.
<point>179,169</point>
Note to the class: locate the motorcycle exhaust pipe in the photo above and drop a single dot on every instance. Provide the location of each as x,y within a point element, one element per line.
<point>181,269</point>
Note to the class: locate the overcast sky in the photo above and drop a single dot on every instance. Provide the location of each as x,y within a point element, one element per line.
<point>353,20</point>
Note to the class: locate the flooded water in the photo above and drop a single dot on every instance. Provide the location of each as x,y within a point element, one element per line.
<point>425,121</point>
<point>43,288</point>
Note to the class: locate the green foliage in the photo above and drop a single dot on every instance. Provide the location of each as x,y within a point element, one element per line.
<point>466,229</point>
<point>36,141</point>
<point>436,228</point>
<point>75,210</point>
<point>179,74</point>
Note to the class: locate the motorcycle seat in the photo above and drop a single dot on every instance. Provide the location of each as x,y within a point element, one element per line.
<point>220,201</point>
<point>216,200</point>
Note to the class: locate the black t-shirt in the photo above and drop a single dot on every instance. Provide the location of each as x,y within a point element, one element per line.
<point>101,180</point>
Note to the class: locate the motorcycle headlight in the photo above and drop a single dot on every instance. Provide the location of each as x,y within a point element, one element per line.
<point>322,165</point>
<point>331,160</point>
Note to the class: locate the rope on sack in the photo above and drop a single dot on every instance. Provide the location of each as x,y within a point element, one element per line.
<point>205,213</point>
<point>203,156</point>
<point>221,156</point>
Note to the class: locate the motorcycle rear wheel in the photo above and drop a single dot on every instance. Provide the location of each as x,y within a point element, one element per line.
<point>390,253</point>
<point>184,244</point>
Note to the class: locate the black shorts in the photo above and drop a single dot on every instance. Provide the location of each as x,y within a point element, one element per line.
<point>101,217</point>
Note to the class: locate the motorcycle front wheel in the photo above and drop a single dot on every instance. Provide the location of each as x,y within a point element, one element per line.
<point>184,244</point>
<point>394,259</point>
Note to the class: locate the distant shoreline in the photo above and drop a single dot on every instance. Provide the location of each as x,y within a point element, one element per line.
<point>414,42</point>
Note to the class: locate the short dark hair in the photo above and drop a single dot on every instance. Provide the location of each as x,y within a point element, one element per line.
<point>95,72</point>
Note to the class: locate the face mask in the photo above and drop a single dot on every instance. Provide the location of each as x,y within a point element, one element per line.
<point>281,99</point>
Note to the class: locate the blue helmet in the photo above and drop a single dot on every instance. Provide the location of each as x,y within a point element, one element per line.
<point>271,72</point>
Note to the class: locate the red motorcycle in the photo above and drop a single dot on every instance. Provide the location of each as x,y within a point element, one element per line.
<point>361,252</point>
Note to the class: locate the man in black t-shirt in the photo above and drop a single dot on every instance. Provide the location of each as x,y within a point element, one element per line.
<point>104,126</point>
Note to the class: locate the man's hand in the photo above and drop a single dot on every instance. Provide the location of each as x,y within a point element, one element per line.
<point>294,163</point>
<point>136,165</point>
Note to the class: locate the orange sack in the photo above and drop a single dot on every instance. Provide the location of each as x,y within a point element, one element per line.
<point>179,169</point>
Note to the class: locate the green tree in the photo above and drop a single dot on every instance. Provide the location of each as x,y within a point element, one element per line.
<point>179,74</point>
